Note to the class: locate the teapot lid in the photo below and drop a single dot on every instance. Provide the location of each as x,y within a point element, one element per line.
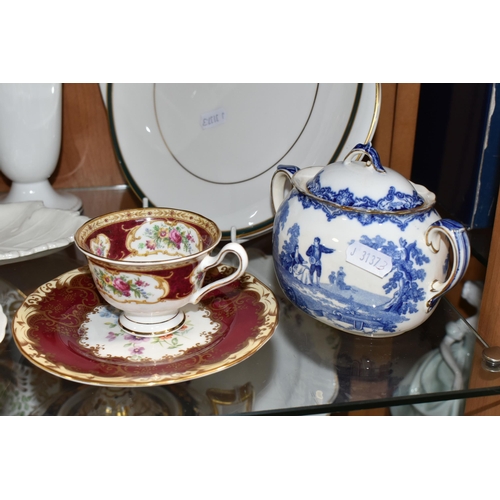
<point>364,185</point>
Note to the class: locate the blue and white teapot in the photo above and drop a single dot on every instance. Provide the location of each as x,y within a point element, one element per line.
<point>359,247</point>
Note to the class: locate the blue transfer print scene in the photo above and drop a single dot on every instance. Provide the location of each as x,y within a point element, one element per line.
<point>354,309</point>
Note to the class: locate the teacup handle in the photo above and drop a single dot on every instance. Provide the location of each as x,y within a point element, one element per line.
<point>283,174</point>
<point>460,246</point>
<point>211,261</point>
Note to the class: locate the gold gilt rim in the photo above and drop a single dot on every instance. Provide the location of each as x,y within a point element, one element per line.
<point>268,313</point>
<point>424,207</point>
<point>376,112</point>
<point>106,220</point>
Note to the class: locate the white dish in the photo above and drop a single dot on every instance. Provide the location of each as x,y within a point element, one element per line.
<point>431,374</point>
<point>440,370</point>
<point>3,323</point>
<point>213,148</point>
<point>103,87</point>
<point>29,230</point>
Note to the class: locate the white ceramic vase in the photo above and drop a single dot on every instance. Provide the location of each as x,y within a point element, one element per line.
<point>30,142</point>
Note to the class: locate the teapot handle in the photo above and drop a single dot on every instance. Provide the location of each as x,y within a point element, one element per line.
<point>460,246</point>
<point>283,173</point>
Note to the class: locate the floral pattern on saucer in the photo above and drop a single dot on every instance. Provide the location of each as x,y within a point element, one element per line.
<point>174,239</point>
<point>104,337</point>
<point>47,329</point>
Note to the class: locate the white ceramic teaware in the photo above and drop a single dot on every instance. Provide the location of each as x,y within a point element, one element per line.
<point>359,247</point>
<point>30,230</point>
<point>30,142</point>
<point>3,323</point>
<point>151,262</point>
<point>446,368</point>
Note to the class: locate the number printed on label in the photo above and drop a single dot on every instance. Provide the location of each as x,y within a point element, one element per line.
<point>369,259</point>
<point>213,118</point>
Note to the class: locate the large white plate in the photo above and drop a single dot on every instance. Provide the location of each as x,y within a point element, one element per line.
<point>213,148</point>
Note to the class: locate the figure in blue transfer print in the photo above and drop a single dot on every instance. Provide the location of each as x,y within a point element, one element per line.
<point>298,268</point>
<point>314,253</point>
<point>295,258</point>
<point>341,279</point>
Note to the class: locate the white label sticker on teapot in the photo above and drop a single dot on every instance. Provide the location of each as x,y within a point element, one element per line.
<point>369,259</point>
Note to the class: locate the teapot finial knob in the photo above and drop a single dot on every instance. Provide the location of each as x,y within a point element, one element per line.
<point>369,150</point>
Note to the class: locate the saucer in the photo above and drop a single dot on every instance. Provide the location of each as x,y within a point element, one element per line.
<point>67,329</point>
<point>22,386</point>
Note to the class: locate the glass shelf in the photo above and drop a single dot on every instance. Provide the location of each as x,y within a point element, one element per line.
<point>306,367</point>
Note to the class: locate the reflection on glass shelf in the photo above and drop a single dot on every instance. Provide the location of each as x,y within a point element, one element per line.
<point>306,367</point>
<point>305,364</point>
<point>447,368</point>
<point>444,369</point>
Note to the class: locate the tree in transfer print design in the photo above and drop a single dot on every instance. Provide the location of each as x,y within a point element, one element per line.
<point>405,276</point>
<point>288,249</point>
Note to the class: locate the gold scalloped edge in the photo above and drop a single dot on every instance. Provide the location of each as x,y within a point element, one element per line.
<point>269,316</point>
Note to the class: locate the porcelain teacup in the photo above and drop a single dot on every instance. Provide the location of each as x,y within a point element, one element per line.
<point>151,262</point>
